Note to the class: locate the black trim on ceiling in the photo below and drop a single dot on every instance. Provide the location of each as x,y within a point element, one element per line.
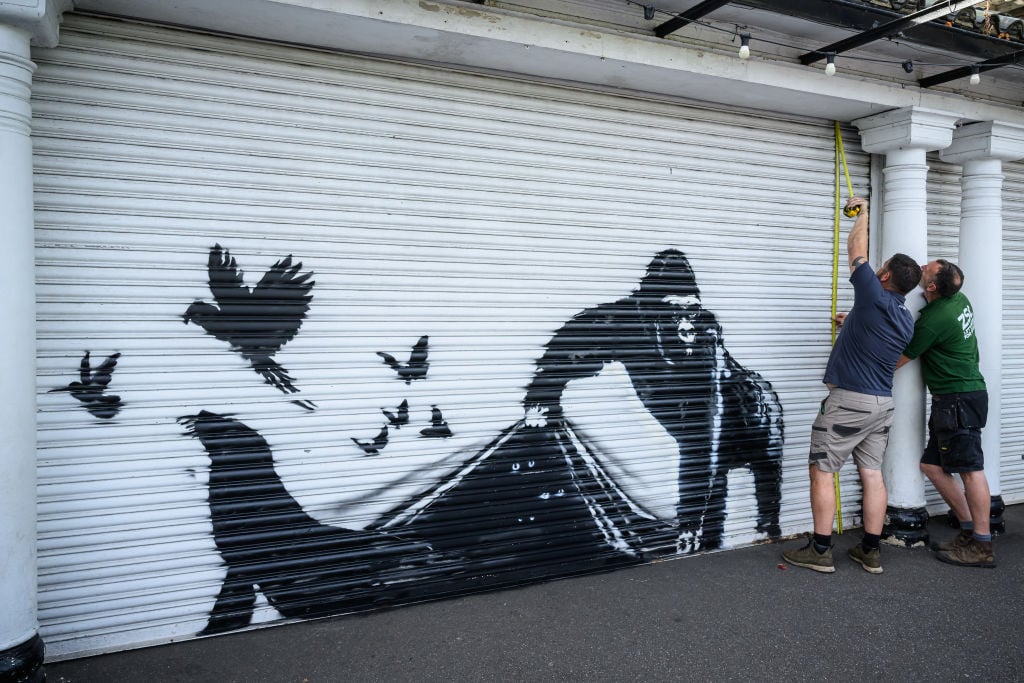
<point>889,28</point>
<point>959,72</point>
<point>684,18</point>
<point>861,17</point>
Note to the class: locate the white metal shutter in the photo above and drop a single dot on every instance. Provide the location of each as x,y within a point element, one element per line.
<point>943,209</point>
<point>481,212</point>
<point>1011,472</point>
<point>943,242</point>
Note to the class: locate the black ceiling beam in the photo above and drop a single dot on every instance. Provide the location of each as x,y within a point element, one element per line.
<point>961,71</point>
<point>883,31</point>
<point>859,16</point>
<point>683,18</point>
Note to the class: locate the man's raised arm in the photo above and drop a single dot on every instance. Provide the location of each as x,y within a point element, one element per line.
<point>857,242</point>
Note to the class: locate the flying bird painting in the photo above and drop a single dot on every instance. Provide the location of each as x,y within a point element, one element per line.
<point>438,428</point>
<point>373,447</point>
<point>417,366</point>
<point>91,385</point>
<point>256,322</point>
<point>400,418</point>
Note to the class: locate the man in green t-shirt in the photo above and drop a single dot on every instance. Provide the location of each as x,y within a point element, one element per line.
<point>945,341</point>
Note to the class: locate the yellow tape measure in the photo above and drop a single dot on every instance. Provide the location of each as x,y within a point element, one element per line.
<point>840,155</point>
<point>854,211</point>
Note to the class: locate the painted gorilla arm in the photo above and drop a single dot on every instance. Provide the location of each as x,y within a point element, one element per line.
<point>753,433</point>
<point>579,349</point>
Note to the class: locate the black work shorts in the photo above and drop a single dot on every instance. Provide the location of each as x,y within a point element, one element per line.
<point>954,432</point>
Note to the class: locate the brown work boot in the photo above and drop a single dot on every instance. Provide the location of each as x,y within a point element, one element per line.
<point>974,553</point>
<point>961,539</point>
<point>810,558</point>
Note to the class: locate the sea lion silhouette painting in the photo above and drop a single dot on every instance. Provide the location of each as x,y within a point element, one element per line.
<point>270,544</point>
<point>721,415</point>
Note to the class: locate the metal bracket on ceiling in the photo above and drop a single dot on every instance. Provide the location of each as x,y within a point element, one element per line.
<point>893,27</point>
<point>684,18</point>
<point>1008,59</point>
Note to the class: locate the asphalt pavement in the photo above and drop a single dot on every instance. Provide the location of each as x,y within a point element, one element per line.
<point>737,615</point>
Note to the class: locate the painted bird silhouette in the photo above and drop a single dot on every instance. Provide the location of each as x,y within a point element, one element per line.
<point>400,418</point>
<point>438,428</point>
<point>255,322</point>
<point>417,366</point>
<point>373,447</point>
<point>91,385</point>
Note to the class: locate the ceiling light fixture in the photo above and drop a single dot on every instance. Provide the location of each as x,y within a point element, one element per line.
<point>744,45</point>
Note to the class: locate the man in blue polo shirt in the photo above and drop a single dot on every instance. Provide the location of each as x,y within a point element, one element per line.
<point>856,415</point>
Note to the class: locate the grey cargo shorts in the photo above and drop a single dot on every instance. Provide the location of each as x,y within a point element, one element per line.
<point>851,422</point>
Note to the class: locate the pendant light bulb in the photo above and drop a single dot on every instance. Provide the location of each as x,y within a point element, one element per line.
<point>975,75</point>
<point>830,65</point>
<point>744,45</point>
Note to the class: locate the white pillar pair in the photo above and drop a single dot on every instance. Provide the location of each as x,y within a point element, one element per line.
<point>981,148</point>
<point>905,136</point>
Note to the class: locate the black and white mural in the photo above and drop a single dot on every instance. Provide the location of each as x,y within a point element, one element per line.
<point>543,496</point>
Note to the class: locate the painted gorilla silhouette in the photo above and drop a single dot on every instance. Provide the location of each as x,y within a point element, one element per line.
<point>721,415</point>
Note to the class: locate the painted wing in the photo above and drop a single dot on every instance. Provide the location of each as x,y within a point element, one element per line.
<point>103,373</point>
<point>281,299</point>
<point>418,355</point>
<point>227,283</point>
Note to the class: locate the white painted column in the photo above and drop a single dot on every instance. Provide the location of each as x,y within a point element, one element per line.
<point>981,148</point>
<point>18,622</point>
<point>905,136</point>
<point>21,648</point>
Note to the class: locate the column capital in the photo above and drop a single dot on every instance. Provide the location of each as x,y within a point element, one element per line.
<point>985,140</point>
<point>907,128</point>
<point>39,18</point>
